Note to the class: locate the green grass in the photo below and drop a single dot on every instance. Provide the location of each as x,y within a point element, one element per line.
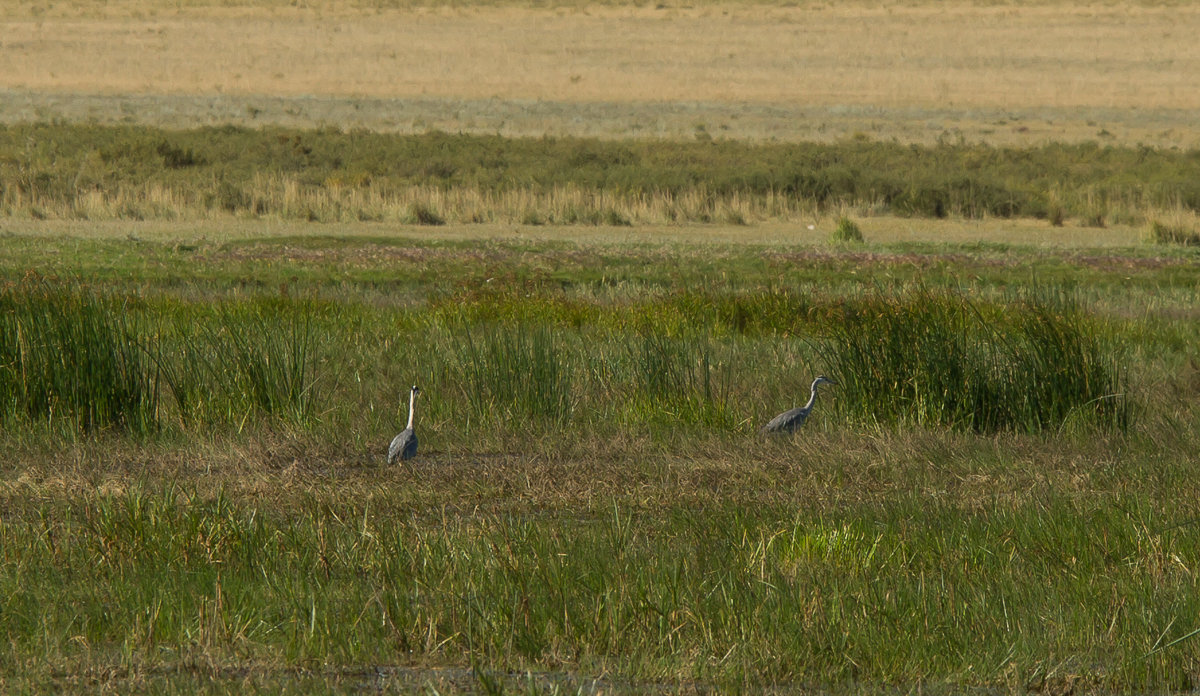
<point>846,231</point>
<point>67,354</point>
<point>591,501</point>
<point>896,592</point>
<point>941,360</point>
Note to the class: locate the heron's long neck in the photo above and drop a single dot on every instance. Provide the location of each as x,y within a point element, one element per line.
<point>412,401</point>
<point>812,399</point>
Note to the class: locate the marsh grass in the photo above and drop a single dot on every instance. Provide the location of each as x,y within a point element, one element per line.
<point>590,499</point>
<point>930,359</point>
<point>69,354</point>
<point>1014,594</point>
<point>938,359</point>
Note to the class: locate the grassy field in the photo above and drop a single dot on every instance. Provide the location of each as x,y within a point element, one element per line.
<point>591,508</point>
<point>609,242</point>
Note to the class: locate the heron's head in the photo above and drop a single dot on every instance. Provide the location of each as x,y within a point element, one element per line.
<point>822,379</point>
<point>416,389</point>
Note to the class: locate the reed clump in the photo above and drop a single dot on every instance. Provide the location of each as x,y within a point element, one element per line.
<point>95,360</point>
<point>936,359</point>
<point>511,374</point>
<point>846,230</point>
<point>70,354</point>
<point>1165,233</point>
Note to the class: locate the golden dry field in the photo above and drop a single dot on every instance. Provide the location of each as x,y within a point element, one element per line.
<point>1003,73</point>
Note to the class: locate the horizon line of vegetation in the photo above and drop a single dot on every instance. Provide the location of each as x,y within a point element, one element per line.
<point>141,172</point>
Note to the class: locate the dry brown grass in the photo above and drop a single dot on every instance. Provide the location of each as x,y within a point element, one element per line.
<point>877,230</point>
<point>292,470</point>
<point>1123,72</point>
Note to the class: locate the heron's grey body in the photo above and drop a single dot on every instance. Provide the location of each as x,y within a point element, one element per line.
<point>788,421</point>
<point>404,445</point>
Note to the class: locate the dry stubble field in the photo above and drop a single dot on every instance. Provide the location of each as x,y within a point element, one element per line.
<point>1009,74</point>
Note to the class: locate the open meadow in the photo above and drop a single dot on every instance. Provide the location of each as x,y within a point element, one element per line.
<point>1001,493</point>
<point>609,243</point>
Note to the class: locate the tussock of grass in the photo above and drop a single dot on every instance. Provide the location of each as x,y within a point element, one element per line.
<point>422,214</point>
<point>68,354</point>
<point>846,231</point>
<point>938,360</point>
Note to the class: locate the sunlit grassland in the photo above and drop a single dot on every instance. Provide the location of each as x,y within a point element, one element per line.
<point>591,500</point>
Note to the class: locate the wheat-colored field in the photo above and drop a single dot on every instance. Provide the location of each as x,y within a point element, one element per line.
<point>1010,74</point>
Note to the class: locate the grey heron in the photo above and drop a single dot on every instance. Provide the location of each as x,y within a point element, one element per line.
<point>404,445</point>
<point>788,421</point>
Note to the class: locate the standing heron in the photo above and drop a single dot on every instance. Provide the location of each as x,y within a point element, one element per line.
<point>788,421</point>
<point>404,445</point>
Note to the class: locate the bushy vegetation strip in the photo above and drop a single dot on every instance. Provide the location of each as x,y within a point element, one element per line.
<point>63,170</point>
<point>918,357</point>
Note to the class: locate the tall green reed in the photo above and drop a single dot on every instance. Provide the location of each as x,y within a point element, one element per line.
<point>682,380</point>
<point>937,359</point>
<point>73,354</point>
<point>512,373</point>
<point>270,359</point>
<point>254,357</point>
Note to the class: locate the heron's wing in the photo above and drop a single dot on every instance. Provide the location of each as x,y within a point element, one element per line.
<point>410,448</point>
<point>400,443</point>
<point>786,421</point>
